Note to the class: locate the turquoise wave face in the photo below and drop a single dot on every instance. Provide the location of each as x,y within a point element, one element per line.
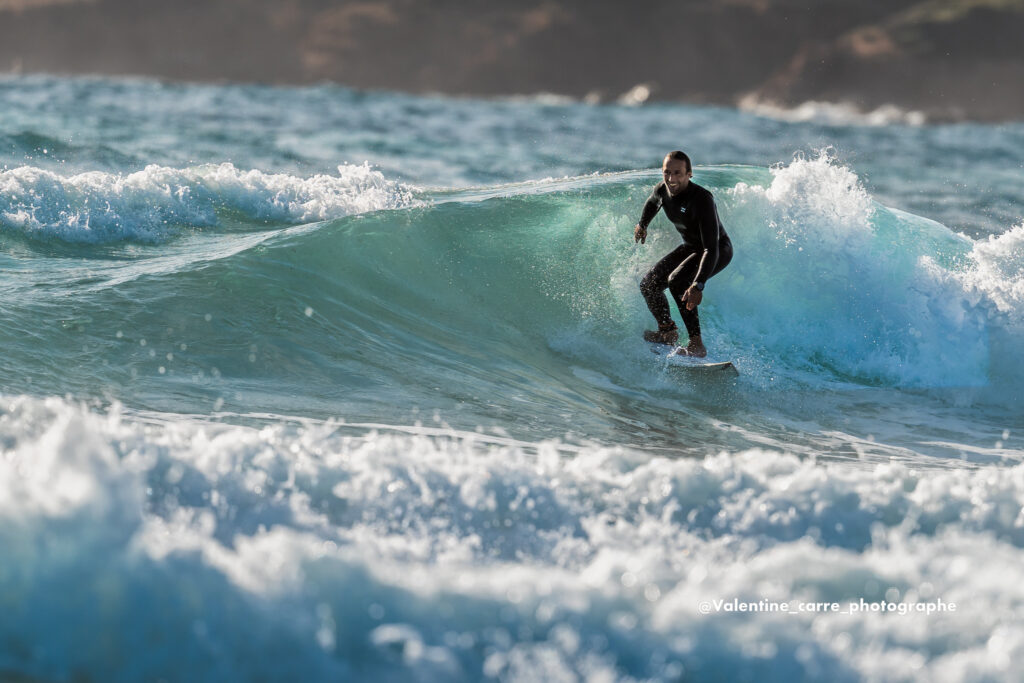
<point>503,304</point>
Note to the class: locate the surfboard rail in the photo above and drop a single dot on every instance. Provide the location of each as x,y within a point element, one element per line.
<point>676,360</point>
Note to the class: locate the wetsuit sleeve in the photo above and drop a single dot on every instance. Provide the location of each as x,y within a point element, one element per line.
<point>651,207</point>
<point>709,232</point>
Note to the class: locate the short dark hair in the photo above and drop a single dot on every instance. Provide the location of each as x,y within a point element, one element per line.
<point>680,156</point>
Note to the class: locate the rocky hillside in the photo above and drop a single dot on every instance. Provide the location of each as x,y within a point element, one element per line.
<point>951,59</point>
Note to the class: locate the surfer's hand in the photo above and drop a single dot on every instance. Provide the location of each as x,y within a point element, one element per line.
<point>639,234</point>
<point>692,297</point>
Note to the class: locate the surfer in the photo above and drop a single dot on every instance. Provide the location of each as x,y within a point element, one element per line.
<point>705,250</point>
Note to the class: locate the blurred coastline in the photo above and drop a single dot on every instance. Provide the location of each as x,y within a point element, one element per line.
<point>940,60</point>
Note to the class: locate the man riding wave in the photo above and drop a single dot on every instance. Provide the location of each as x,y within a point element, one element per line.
<point>705,251</point>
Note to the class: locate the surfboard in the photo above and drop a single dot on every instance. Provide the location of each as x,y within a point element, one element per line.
<point>724,368</point>
<point>675,360</point>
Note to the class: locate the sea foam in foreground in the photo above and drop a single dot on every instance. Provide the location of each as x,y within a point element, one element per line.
<point>201,551</point>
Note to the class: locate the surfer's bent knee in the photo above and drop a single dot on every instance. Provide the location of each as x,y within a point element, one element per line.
<point>647,283</point>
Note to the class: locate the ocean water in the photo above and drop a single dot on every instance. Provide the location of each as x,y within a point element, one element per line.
<point>315,384</point>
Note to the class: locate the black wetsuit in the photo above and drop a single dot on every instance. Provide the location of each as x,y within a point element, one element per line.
<point>705,250</point>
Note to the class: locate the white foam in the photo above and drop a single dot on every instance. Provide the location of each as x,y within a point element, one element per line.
<point>997,272</point>
<point>825,275</point>
<point>152,204</point>
<point>196,551</point>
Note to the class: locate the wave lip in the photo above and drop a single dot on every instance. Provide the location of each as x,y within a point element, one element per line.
<point>152,204</point>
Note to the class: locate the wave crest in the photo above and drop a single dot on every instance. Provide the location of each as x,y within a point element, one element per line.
<point>832,278</point>
<point>997,272</point>
<point>153,204</point>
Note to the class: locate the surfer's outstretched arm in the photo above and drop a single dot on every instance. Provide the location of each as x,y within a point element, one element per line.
<point>651,208</point>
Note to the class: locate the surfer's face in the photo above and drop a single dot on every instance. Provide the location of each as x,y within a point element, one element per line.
<point>677,176</point>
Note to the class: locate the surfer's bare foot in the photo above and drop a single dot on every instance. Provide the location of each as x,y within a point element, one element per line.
<point>663,335</point>
<point>696,348</point>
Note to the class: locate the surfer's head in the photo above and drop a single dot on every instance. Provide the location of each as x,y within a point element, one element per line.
<point>677,171</point>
